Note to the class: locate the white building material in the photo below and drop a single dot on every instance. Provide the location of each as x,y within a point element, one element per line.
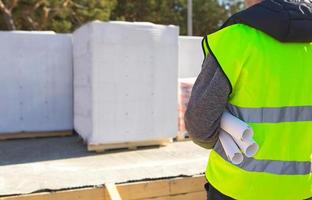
<point>125,81</point>
<point>248,147</point>
<point>231,150</point>
<point>36,82</point>
<point>236,127</point>
<point>190,56</point>
<point>241,132</point>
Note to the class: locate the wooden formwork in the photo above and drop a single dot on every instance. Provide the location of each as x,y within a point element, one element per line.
<point>183,188</point>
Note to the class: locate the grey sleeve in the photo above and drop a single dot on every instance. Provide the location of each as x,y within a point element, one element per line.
<point>207,103</point>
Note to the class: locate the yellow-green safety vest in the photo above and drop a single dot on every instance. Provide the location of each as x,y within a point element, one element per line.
<point>272,91</point>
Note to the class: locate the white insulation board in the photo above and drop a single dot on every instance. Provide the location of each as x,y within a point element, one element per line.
<point>190,56</point>
<point>125,81</point>
<point>36,82</point>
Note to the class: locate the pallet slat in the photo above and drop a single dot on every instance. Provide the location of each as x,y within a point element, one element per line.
<point>128,145</point>
<point>183,136</point>
<point>23,135</point>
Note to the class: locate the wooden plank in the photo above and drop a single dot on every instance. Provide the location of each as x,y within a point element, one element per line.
<point>148,189</point>
<point>112,191</point>
<point>128,145</point>
<point>165,187</point>
<point>190,188</point>
<point>23,135</point>
<point>186,185</point>
<point>202,195</point>
<point>77,194</point>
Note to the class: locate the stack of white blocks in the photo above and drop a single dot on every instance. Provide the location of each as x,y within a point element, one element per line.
<point>125,82</point>
<point>190,61</point>
<point>36,82</point>
<point>190,56</point>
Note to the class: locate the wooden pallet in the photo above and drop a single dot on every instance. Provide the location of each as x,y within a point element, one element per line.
<point>128,145</point>
<point>183,136</point>
<point>185,188</point>
<point>23,135</point>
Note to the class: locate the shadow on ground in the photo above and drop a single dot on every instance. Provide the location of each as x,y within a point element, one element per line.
<point>41,149</point>
<point>20,151</point>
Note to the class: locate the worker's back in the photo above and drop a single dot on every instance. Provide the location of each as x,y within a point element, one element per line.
<point>271,83</point>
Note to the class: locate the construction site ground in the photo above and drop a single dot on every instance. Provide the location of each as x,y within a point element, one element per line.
<point>63,164</point>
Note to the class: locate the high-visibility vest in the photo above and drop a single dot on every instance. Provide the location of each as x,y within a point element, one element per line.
<point>272,91</point>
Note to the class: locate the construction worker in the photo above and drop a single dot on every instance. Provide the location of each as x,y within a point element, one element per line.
<point>258,66</point>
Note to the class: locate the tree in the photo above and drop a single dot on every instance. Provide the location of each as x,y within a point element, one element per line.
<point>57,15</point>
<point>6,10</point>
<point>233,6</point>
<point>67,15</point>
<point>156,11</point>
<point>208,15</point>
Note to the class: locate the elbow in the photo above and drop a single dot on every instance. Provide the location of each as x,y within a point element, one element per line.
<point>188,121</point>
<point>205,138</point>
<point>198,128</point>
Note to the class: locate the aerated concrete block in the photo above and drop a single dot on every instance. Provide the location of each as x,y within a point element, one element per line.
<point>36,82</point>
<point>190,56</point>
<point>125,81</point>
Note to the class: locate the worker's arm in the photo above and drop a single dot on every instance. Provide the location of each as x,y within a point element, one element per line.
<point>207,103</point>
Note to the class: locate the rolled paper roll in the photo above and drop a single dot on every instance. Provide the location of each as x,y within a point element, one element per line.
<point>230,148</point>
<point>236,127</point>
<point>248,147</point>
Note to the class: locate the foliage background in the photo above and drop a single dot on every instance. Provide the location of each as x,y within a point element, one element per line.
<point>67,15</point>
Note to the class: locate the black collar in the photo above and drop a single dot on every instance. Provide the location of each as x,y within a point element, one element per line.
<point>285,20</point>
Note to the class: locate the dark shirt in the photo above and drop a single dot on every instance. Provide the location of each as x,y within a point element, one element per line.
<point>207,103</point>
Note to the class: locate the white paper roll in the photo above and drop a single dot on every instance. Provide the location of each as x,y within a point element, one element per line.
<point>236,127</point>
<point>230,148</point>
<point>248,147</point>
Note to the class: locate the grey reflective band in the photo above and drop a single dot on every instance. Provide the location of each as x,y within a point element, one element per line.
<point>270,166</point>
<point>272,115</point>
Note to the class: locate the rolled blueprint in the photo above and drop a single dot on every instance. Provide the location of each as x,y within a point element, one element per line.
<point>248,147</point>
<point>230,148</point>
<point>236,127</point>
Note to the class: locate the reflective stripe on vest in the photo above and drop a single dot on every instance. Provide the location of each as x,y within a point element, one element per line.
<point>269,166</point>
<point>272,115</point>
